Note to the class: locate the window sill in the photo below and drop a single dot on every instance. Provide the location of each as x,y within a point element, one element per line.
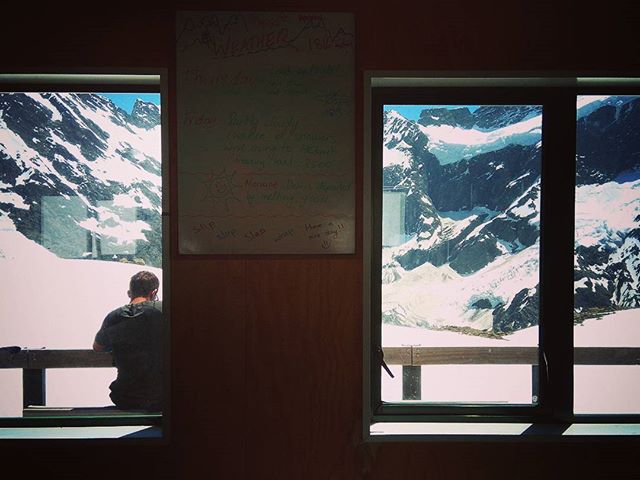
<point>450,431</point>
<point>83,433</point>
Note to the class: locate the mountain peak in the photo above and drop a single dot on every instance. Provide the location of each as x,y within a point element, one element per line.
<point>145,114</point>
<point>393,114</point>
<point>455,117</point>
<point>498,116</point>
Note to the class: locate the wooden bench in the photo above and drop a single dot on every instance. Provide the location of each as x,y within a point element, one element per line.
<point>110,411</point>
<point>34,364</point>
<point>412,358</point>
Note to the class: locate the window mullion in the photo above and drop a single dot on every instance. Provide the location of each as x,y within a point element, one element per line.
<point>557,244</point>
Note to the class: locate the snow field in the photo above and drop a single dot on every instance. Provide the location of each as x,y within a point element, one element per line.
<point>56,303</point>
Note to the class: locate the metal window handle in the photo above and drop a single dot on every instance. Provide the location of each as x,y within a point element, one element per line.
<point>383,363</point>
<point>546,364</point>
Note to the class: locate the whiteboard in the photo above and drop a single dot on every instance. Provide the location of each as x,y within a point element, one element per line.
<point>265,133</point>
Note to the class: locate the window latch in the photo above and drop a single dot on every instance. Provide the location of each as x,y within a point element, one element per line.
<point>383,363</point>
<point>546,364</point>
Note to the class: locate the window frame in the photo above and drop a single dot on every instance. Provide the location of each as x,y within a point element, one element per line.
<point>128,80</point>
<point>557,214</point>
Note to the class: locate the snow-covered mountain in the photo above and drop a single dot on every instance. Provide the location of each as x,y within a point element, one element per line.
<point>587,104</point>
<point>81,162</point>
<point>607,263</point>
<point>472,183</point>
<point>455,134</point>
<point>607,141</point>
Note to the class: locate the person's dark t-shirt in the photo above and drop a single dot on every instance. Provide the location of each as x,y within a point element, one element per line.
<point>133,333</point>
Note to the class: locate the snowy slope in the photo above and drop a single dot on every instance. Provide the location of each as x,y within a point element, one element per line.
<point>436,297</point>
<point>54,303</point>
<point>451,144</point>
<point>588,104</point>
<point>472,216</point>
<point>82,146</point>
<point>61,301</point>
<point>400,136</point>
<point>595,223</point>
<point>464,267</point>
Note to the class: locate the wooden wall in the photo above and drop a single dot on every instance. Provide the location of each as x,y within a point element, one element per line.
<point>267,351</point>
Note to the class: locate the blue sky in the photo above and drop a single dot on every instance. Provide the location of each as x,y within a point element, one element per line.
<point>412,112</point>
<point>126,100</point>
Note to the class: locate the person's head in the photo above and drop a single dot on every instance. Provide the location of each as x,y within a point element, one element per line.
<point>143,284</point>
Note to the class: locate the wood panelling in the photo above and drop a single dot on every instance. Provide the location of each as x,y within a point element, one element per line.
<point>301,359</point>
<point>208,371</point>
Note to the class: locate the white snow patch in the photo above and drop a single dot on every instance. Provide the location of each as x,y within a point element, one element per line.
<point>14,199</point>
<point>6,224</point>
<point>124,232</point>
<point>618,329</point>
<point>24,176</point>
<point>584,100</point>
<point>603,212</point>
<point>531,207</point>
<point>395,156</point>
<point>394,114</point>
<point>450,144</point>
<point>515,181</point>
<point>62,305</point>
<point>597,389</point>
<point>438,296</point>
<point>38,97</point>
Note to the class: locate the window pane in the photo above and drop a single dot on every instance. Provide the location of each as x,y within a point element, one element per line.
<point>80,213</point>
<point>607,265</point>
<point>460,251</point>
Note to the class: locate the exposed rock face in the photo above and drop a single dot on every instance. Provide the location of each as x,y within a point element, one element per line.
<point>608,144</point>
<point>483,208</point>
<point>80,146</point>
<point>458,117</point>
<point>521,313</point>
<point>477,183</point>
<point>145,114</point>
<point>485,117</point>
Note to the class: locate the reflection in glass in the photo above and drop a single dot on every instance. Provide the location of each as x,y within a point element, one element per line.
<point>393,228</point>
<point>118,229</point>
<point>61,233</point>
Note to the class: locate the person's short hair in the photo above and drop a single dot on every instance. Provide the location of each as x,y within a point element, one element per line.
<point>142,284</point>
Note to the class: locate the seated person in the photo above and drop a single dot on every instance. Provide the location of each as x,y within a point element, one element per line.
<point>133,333</point>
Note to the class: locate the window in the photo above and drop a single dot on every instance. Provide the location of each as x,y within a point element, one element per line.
<point>473,262</point>
<point>607,264</point>
<point>81,211</point>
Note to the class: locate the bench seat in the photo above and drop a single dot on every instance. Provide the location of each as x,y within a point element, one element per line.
<point>110,411</point>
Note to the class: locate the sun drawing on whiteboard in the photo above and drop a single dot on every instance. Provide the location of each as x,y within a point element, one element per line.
<point>218,188</point>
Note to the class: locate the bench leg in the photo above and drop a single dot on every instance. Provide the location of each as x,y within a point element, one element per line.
<point>34,387</point>
<point>411,382</point>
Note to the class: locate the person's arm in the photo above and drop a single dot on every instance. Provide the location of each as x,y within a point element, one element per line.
<point>101,343</point>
